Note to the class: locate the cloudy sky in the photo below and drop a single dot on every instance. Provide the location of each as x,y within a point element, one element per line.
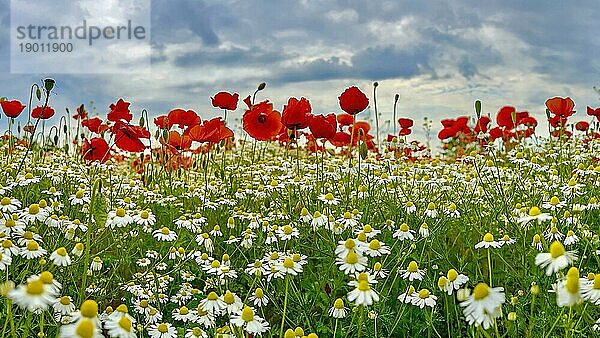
<point>439,56</point>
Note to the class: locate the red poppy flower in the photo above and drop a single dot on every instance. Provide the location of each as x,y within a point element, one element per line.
<point>340,139</point>
<point>225,100</point>
<point>92,124</point>
<point>561,106</point>
<point>81,113</point>
<point>482,125</point>
<point>495,133</point>
<point>213,131</point>
<point>161,122</point>
<point>361,127</point>
<point>404,131</point>
<point>296,113</point>
<point>506,117</point>
<point>453,127</point>
<point>582,125</point>
<point>183,118</point>
<point>323,126</point>
<point>120,111</point>
<point>528,120</point>
<point>12,108</point>
<point>594,112</point>
<point>42,113</point>
<point>96,149</point>
<point>127,137</point>
<point>353,101</point>
<point>28,128</point>
<point>558,121</point>
<point>345,120</point>
<point>179,142</point>
<point>405,123</point>
<point>262,122</point>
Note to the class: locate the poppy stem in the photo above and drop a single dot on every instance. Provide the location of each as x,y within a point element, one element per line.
<point>376,114</point>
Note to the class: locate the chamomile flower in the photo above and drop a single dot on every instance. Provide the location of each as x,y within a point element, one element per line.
<point>164,234</point>
<point>5,261</point>
<point>162,330</point>
<point>454,281</point>
<point>35,296</point>
<point>328,199</point>
<point>118,218</point>
<point>488,242</point>
<point>424,230</point>
<point>9,205</point>
<point>352,262</point>
<point>34,213</point>
<point>338,310</point>
<point>60,257</point>
<point>289,266</point>
<point>424,298</point>
<point>537,242</point>
<point>556,259</point>
<point>534,214</point>
<point>363,294</point>
<point>195,332</point>
<point>213,304</point>
<point>79,198</point>
<point>590,289</point>
<point>568,289</point>
<point>121,328</point>
<point>258,298</point>
<point>404,233</point>
<point>376,249</point>
<point>63,306</point>
<point>287,232</point>
<point>410,207</point>
<point>571,238</point>
<point>233,303</point>
<point>554,203</point>
<point>506,240</point>
<point>33,250</point>
<point>412,272</point>
<point>431,211</point>
<point>484,305</point>
<point>84,328</point>
<point>319,220</point>
<point>183,314</point>
<point>553,234</point>
<point>408,296</point>
<point>250,322</point>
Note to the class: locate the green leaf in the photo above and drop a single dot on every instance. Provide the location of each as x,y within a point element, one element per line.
<point>363,151</point>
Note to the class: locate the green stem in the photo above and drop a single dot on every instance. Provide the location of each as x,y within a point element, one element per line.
<point>287,285</point>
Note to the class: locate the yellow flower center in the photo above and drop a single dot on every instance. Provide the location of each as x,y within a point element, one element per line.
<point>534,211</point>
<point>215,264</point>
<point>338,304</point>
<point>554,200</point>
<point>229,298</point>
<point>120,212</point>
<point>347,215</point>
<point>212,296</point>
<point>274,256</point>
<point>32,246</point>
<point>287,230</point>
<point>162,328</point>
<point>413,266</point>
<point>481,291</point>
<point>43,203</point>
<point>597,281</point>
<point>424,294</point>
<point>34,209</point>
<point>374,245</point>
<point>488,237</point>
<point>537,238</point>
<point>352,257</point>
<point>362,277</point>
<point>10,223</point>
<point>79,194</point>
<point>442,281</point>
<point>362,236</point>
<point>363,285</point>
<point>404,227</point>
<point>89,309</point>
<point>452,275</point>
<point>288,263</point>
<point>46,277</point>
<point>35,287</point>
<point>165,231</point>
<point>125,323</point>
<point>247,314</point>
<point>367,229</point>
<point>184,310</point>
<point>556,249</point>
<point>144,303</point>
<point>61,251</point>
<point>259,293</point>
<point>431,206</point>
<point>329,196</point>
<point>85,329</point>
<point>377,266</point>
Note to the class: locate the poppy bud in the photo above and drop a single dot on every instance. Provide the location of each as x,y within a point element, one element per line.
<point>375,84</point>
<point>49,84</point>
<point>396,98</point>
<point>478,108</point>
<point>262,86</point>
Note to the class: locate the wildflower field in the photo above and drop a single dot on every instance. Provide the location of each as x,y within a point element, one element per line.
<point>295,224</point>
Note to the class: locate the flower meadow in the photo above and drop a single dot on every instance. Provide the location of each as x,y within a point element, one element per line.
<point>267,222</point>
